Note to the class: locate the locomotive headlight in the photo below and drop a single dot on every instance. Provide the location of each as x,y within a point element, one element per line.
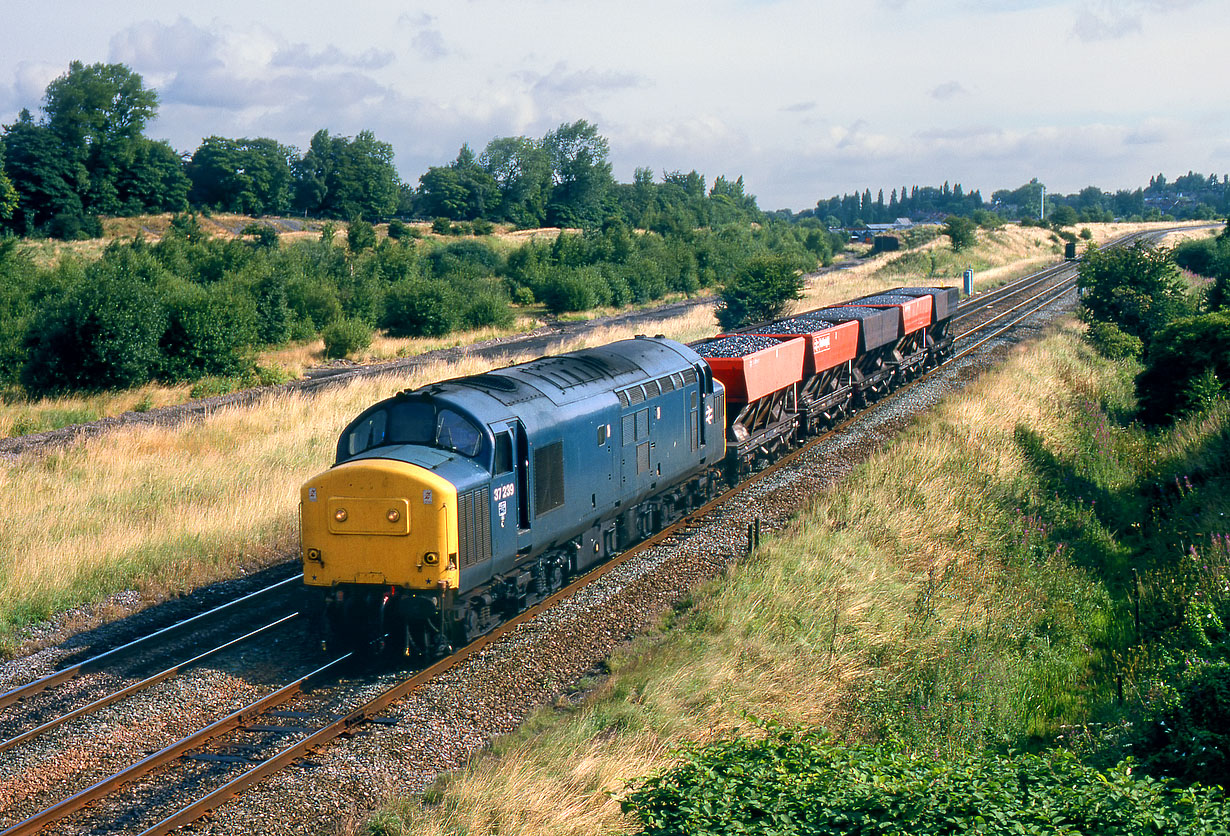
<point>393,515</point>
<point>431,558</point>
<point>340,515</point>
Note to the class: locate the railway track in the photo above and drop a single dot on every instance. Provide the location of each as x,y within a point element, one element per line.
<point>345,704</point>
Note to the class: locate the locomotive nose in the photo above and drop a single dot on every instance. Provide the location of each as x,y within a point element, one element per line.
<point>378,521</point>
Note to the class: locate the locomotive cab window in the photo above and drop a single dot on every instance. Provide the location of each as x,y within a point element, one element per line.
<point>369,433</point>
<point>503,454</point>
<point>455,432</point>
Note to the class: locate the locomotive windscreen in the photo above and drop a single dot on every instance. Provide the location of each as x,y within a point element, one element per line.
<point>416,422</point>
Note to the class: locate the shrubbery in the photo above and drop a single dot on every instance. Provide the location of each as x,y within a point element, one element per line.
<point>1190,738</point>
<point>420,308</point>
<point>191,306</point>
<point>798,782</point>
<point>1111,341</point>
<point>346,336</point>
<point>1179,355</point>
<point>760,292</point>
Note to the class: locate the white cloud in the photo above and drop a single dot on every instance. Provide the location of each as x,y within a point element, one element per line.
<point>301,56</point>
<point>948,90</point>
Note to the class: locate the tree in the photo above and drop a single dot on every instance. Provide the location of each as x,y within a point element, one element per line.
<point>521,170</point>
<point>581,173</point>
<point>1137,287</point>
<point>963,232</point>
<point>46,181</point>
<point>8,195</point>
<point>462,190</point>
<point>99,105</point>
<point>154,181</point>
<point>98,113</point>
<point>249,176</point>
<point>1063,216</point>
<point>342,178</point>
<point>760,291</point>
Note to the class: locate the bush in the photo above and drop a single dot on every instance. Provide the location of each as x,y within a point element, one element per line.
<point>1137,288</point>
<point>962,232</point>
<point>482,226</point>
<point>208,332</point>
<point>441,226</point>
<point>345,337</point>
<point>487,308</point>
<point>1112,342</point>
<point>102,334</point>
<point>574,289</point>
<point>760,291</point>
<point>360,235</point>
<point>1178,355</point>
<point>797,782</point>
<point>1190,740</point>
<point>264,236</point>
<point>420,308</point>
<point>397,229</point>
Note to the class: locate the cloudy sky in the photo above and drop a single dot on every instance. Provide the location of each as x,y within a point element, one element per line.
<point>803,98</point>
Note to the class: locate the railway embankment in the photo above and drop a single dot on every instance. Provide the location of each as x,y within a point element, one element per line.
<point>1020,569</point>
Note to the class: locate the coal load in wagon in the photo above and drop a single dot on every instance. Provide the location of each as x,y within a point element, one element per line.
<point>877,326</point>
<point>886,299</point>
<point>737,345</point>
<point>802,324</point>
<point>945,299</point>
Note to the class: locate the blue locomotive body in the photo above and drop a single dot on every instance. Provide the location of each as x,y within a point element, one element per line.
<point>550,466</point>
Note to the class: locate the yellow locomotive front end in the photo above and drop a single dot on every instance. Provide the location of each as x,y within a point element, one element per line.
<point>379,551</point>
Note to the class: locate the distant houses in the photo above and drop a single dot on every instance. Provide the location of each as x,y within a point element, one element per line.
<point>868,232</point>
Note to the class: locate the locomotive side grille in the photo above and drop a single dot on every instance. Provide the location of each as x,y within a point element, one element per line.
<point>689,375</point>
<point>635,394</point>
<point>666,384</point>
<point>483,518</point>
<point>474,527</point>
<point>623,397</point>
<point>652,390</point>
<point>465,522</point>
<point>629,428</point>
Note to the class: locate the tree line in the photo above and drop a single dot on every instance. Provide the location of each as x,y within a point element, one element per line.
<point>1193,196</point>
<point>86,156</point>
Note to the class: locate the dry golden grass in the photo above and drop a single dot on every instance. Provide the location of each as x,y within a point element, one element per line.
<point>162,510</point>
<point>870,584</point>
<point>23,417</point>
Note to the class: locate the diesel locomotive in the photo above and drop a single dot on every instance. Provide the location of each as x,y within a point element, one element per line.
<point>451,507</point>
